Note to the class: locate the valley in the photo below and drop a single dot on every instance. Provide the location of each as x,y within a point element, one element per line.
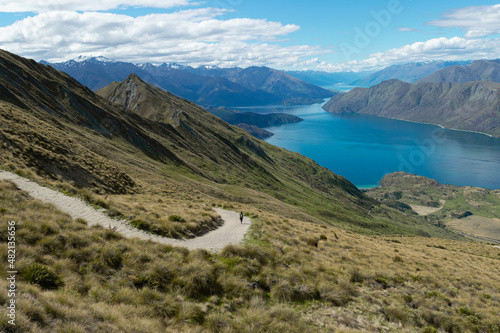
<point>320,255</point>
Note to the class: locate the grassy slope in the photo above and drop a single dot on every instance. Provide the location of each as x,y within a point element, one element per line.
<point>418,190</point>
<point>291,276</point>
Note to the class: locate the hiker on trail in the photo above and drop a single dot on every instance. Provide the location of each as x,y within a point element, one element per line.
<point>241,217</point>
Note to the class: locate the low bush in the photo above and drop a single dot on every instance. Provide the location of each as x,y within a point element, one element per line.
<point>42,275</point>
<point>176,218</point>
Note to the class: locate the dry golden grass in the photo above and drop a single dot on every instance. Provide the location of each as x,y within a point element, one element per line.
<point>290,276</point>
<point>478,226</point>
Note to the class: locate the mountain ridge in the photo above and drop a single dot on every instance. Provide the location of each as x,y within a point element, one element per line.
<point>207,86</point>
<point>410,72</point>
<point>471,106</point>
<point>478,70</point>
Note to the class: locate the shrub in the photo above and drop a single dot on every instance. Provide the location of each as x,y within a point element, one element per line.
<point>197,279</point>
<point>312,241</point>
<point>357,276</point>
<point>146,281</point>
<point>494,328</point>
<point>176,218</point>
<point>112,257</point>
<point>383,280</point>
<point>140,224</point>
<point>217,322</point>
<point>282,291</point>
<point>42,275</point>
<point>466,311</point>
<point>114,212</point>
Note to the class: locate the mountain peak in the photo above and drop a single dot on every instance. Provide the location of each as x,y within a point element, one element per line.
<point>134,77</point>
<point>92,59</point>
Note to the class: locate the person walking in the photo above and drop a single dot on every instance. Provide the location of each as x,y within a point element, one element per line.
<point>241,217</point>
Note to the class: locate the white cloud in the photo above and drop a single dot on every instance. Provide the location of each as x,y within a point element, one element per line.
<point>480,24</point>
<point>13,6</point>
<point>455,48</point>
<point>476,21</point>
<point>405,29</point>
<point>190,36</point>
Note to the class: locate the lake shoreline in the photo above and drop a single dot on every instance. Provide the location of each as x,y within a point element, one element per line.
<point>417,122</point>
<point>363,148</point>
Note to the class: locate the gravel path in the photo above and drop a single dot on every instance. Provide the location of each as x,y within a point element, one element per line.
<point>231,232</point>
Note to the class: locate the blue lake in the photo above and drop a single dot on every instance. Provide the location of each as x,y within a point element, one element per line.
<point>365,148</point>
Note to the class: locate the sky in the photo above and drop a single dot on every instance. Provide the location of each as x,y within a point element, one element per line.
<point>334,36</point>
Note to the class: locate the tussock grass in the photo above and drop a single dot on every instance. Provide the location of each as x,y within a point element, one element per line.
<point>277,282</point>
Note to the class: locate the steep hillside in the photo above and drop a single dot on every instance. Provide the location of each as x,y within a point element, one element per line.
<point>257,119</point>
<point>55,128</point>
<point>254,122</point>
<point>205,85</point>
<point>155,104</point>
<point>406,72</point>
<point>472,106</point>
<point>479,70</point>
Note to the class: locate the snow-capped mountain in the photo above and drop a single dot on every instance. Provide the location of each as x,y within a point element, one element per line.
<point>205,85</point>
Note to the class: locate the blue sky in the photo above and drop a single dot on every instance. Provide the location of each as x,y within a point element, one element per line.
<point>319,35</point>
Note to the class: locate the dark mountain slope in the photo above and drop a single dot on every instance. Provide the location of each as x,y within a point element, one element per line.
<point>256,119</point>
<point>472,106</point>
<point>479,70</point>
<point>204,85</point>
<point>277,83</point>
<point>406,72</point>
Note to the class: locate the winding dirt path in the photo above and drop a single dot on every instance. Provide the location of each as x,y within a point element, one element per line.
<point>231,232</point>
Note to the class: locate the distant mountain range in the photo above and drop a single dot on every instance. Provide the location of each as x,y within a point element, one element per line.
<point>472,106</point>
<point>479,70</point>
<point>207,86</point>
<point>323,79</point>
<point>410,72</point>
